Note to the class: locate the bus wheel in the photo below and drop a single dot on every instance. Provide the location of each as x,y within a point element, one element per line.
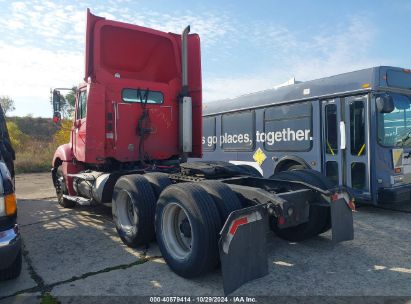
<point>224,198</point>
<point>158,181</point>
<point>187,227</point>
<point>294,167</point>
<point>61,189</point>
<point>319,219</point>
<point>319,180</point>
<point>133,208</point>
<point>250,170</point>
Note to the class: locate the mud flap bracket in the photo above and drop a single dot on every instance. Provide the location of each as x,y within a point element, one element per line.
<point>242,247</point>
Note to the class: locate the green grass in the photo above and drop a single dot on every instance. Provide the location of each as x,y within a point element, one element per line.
<point>47,298</point>
<point>36,156</point>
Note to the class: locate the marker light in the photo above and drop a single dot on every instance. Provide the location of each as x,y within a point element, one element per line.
<point>10,204</point>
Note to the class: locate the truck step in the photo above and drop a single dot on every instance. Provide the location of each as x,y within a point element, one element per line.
<point>79,200</point>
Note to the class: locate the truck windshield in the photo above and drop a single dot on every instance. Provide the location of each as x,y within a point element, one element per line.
<point>394,129</point>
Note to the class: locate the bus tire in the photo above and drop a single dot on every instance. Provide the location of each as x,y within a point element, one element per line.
<point>250,170</point>
<point>158,181</point>
<point>319,216</point>
<point>133,208</point>
<point>187,227</point>
<point>224,198</point>
<point>318,180</point>
<point>293,167</point>
<point>61,189</point>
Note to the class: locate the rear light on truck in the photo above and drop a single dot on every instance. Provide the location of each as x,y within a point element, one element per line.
<point>344,195</point>
<point>8,205</point>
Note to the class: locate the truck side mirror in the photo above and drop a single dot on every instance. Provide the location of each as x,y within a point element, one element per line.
<point>56,100</point>
<point>56,117</point>
<point>385,104</point>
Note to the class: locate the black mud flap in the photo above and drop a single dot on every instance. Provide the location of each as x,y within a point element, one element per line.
<point>242,247</point>
<point>341,221</point>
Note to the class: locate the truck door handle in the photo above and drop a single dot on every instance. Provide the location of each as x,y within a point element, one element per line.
<point>342,135</point>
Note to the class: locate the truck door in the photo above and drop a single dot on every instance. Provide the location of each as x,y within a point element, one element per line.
<point>346,142</point>
<point>79,129</point>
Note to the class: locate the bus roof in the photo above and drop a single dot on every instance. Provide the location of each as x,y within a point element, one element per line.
<point>357,81</point>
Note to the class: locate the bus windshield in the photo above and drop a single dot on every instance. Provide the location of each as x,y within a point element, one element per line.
<point>394,128</point>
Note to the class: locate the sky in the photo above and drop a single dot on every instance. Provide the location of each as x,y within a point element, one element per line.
<point>247,46</point>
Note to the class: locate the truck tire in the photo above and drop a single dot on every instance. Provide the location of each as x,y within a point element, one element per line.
<point>250,170</point>
<point>187,228</point>
<point>319,217</point>
<point>61,189</point>
<point>13,271</point>
<point>224,198</point>
<point>158,181</point>
<point>133,208</point>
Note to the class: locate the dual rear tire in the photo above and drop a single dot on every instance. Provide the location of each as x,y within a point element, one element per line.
<point>185,218</point>
<point>189,218</point>
<point>133,208</point>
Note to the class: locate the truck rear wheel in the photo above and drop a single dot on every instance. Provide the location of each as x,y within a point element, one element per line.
<point>158,181</point>
<point>224,198</point>
<point>133,208</point>
<point>61,189</point>
<point>319,219</point>
<point>187,227</point>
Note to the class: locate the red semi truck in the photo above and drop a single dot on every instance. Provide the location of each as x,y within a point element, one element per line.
<point>137,121</point>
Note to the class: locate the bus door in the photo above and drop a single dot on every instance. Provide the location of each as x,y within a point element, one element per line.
<point>346,142</point>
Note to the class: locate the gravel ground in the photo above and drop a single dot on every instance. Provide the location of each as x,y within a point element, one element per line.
<point>77,252</point>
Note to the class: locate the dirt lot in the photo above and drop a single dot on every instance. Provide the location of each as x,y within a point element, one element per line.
<point>77,252</point>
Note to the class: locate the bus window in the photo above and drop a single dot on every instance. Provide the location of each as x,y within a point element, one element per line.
<point>237,131</point>
<point>358,177</point>
<point>288,127</point>
<point>357,127</point>
<point>209,136</point>
<point>394,127</point>
<point>331,129</point>
<point>331,171</point>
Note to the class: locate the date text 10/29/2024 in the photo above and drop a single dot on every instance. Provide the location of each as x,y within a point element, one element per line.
<point>203,299</point>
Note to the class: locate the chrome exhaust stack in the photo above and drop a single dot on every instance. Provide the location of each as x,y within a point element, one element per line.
<point>184,55</point>
<point>185,103</point>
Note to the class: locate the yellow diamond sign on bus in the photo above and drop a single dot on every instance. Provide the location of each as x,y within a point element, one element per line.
<point>259,156</point>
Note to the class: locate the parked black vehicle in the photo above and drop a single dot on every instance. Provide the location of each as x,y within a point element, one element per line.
<point>10,240</point>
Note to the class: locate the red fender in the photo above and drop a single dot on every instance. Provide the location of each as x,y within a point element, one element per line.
<point>64,154</point>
